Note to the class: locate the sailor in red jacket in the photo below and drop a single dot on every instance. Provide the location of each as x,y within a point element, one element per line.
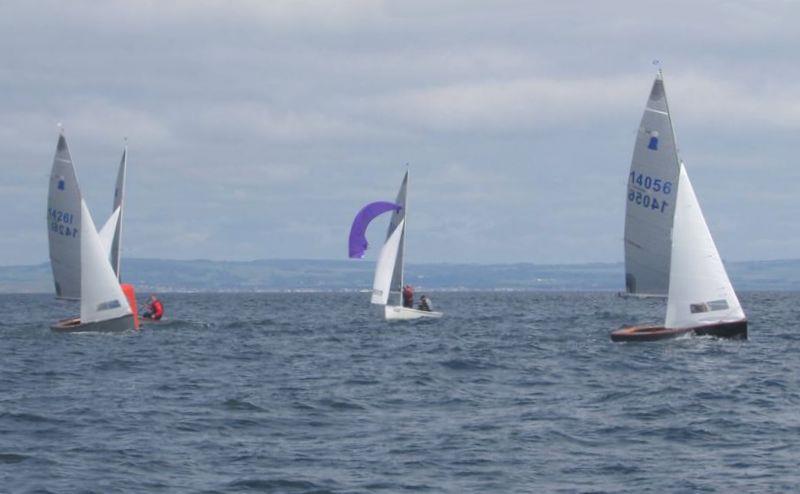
<point>155,309</point>
<point>408,296</point>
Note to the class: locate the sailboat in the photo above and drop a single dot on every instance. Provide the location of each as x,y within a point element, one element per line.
<point>388,281</point>
<point>79,254</point>
<point>700,297</point>
<point>105,306</point>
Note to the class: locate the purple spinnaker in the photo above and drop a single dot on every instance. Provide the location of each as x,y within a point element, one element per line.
<point>358,238</point>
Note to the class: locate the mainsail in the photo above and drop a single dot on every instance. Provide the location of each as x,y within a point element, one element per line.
<point>398,223</point>
<point>101,295</point>
<point>64,224</point>
<point>119,195</point>
<point>700,292</point>
<point>651,192</point>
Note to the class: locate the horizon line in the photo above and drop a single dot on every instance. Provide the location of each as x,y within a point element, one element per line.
<point>355,261</point>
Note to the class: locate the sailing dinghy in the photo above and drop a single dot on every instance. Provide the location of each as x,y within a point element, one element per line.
<point>80,255</point>
<point>105,305</point>
<point>388,281</point>
<point>700,297</point>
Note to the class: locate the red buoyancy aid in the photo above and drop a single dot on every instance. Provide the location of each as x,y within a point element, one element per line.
<point>158,309</point>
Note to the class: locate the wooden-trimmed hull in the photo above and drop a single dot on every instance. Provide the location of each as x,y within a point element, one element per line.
<point>74,325</point>
<point>734,330</point>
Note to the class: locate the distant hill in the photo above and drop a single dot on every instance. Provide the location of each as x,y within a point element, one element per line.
<point>268,275</point>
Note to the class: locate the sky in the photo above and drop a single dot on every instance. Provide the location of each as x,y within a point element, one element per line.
<point>258,129</point>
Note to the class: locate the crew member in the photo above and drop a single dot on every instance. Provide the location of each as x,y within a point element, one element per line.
<point>155,309</point>
<point>408,296</point>
<point>424,303</point>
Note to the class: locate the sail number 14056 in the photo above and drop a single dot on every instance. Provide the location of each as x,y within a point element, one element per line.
<point>641,185</point>
<point>649,183</point>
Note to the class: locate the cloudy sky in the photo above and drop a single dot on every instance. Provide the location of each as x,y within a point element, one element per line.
<point>257,129</point>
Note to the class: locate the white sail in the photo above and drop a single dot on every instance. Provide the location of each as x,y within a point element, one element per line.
<point>101,295</point>
<point>386,265</point>
<point>108,232</point>
<point>119,196</point>
<point>651,192</point>
<point>396,284</point>
<point>64,224</point>
<point>700,292</point>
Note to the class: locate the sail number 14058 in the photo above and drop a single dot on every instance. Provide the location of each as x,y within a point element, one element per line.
<point>641,185</point>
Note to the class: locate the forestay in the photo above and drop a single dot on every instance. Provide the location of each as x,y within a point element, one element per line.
<point>101,295</point>
<point>386,265</point>
<point>64,224</point>
<point>651,192</point>
<point>700,292</point>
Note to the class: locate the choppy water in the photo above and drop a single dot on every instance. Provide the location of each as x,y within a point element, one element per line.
<point>302,393</point>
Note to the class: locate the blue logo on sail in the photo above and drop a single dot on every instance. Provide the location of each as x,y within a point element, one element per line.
<point>61,184</point>
<point>653,144</point>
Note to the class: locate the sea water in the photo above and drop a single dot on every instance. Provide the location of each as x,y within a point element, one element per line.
<point>313,393</point>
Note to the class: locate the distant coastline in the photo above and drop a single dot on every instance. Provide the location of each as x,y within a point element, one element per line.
<point>342,275</point>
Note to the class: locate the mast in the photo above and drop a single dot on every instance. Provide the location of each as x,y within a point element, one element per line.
<point>403,240</point>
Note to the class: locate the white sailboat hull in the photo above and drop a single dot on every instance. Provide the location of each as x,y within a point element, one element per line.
<point>400,313</point>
